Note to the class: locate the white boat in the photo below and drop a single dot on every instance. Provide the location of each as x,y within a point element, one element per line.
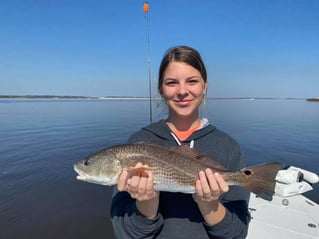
<point>295,217</point>
<point>291,217</point>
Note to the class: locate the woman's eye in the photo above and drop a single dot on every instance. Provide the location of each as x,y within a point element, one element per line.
<point>193,81</point>
<point>170,83</point>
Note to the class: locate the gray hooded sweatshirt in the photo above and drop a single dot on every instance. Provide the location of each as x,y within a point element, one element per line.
<point>178,214</point>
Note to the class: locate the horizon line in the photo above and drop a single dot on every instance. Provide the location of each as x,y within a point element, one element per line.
<point>28,96</point>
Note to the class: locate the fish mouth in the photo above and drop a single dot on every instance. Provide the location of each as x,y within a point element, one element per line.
<point>81,175</point>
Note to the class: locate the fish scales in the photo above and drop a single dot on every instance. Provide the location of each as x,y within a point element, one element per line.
<point>172,171</point>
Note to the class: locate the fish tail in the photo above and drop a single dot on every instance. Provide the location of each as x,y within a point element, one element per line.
<point>261,179</point>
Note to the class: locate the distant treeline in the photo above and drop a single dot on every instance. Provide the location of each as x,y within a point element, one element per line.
<point>137,97</point>
<point>313,99</point>
<point>45,97</point>
<point>65,97</point>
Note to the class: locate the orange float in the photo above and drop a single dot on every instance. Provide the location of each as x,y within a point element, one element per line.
<point>146,7</point>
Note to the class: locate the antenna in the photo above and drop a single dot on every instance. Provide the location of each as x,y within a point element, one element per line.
<point>149,59</point>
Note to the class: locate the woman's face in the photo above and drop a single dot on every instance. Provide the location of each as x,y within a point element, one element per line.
<point>183,89</point>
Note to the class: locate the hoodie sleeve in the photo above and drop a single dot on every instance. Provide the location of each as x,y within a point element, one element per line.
<point>237,217</point>
<point>128,222</point>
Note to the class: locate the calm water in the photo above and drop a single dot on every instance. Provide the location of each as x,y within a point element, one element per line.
<point>41,139</point>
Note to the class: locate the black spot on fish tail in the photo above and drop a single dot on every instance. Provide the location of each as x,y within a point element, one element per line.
<point>261,179</point>
<point>247,172</point>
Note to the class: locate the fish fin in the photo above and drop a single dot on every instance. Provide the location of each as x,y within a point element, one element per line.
<point>261,179</point>
<point>202,158</point>
<point>141,171</point>
<point>151,143</point>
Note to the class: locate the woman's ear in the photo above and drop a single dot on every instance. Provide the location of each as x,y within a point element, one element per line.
<point>205,88</point>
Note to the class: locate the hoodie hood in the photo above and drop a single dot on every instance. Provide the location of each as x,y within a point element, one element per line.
<point>160,129</point>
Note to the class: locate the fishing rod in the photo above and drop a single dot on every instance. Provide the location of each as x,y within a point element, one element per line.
<point>149,59</point>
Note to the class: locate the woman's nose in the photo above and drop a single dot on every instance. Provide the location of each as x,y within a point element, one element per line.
<point>183,89</point>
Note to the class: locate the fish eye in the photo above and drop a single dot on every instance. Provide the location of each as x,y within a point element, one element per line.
<point>87,163</point>
<point>247,172</point>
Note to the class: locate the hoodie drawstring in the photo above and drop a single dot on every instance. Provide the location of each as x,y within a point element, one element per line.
<point>191,144</point>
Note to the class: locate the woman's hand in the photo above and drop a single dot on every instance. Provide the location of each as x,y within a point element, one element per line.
<point>140,187</point>
<point>209,186</point>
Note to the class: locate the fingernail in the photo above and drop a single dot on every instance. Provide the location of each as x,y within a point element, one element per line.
<point>208,171</point>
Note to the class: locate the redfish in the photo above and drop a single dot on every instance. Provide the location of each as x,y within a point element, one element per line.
<point>174,169</point>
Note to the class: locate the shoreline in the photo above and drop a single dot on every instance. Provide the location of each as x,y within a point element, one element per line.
<point>313,99</point>
<point>143,97</point>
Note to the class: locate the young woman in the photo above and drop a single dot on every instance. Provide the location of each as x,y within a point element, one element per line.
<point>215,210</point>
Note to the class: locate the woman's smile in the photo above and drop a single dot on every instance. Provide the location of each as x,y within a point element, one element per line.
<point>183,103</point>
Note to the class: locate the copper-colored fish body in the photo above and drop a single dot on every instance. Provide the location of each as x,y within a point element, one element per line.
<point>174,170</point>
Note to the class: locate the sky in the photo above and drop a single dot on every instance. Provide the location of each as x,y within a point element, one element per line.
<point>251,48</point>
